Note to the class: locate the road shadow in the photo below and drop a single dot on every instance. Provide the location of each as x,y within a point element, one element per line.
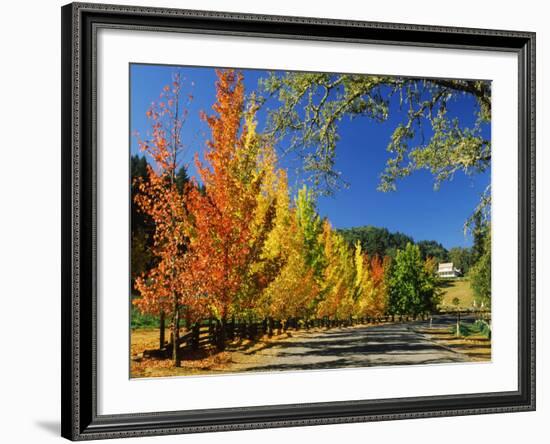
<point>346,363</point>
<point>389,344</point>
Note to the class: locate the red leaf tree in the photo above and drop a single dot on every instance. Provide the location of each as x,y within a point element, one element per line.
<point>223,208</point>
<point>162,288</point>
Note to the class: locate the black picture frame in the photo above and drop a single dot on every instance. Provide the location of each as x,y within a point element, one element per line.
<point>80,420</point>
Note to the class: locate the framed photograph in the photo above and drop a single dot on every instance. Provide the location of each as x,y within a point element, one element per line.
<point>275,221</point>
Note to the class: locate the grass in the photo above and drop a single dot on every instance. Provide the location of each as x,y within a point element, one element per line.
<point>475,346</point>
<point>147,339</point>
<point>147,321</point>
<point>456,288</point>
<point>478,328</point>
<point>140,320</point>
<point>201,362</point>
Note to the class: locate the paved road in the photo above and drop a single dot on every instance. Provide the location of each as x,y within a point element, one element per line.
<point>389,344</point>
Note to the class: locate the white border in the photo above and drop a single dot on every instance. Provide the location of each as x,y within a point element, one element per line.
<point>118,394</point>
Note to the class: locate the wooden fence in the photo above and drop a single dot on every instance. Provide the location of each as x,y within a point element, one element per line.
<point>212,333</point>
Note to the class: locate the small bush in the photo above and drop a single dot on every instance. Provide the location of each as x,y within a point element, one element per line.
<point>478,328</point>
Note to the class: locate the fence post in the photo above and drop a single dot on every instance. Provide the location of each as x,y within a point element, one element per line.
<point>251,330</point>
<point>231,329</point>
<point>195,331</point>
<point>220,333</point>
<point>237,329</point>
<point>212,332</point>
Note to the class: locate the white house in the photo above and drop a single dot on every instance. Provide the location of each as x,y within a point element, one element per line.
<point>447,270</point>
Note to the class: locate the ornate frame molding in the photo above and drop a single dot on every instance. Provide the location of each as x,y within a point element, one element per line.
<point>79,393</point>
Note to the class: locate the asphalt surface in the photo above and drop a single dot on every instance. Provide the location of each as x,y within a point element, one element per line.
<point>359,346</point>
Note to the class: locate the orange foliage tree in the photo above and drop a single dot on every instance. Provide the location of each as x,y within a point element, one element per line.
<point>223,210</point>
<point>161,288</point>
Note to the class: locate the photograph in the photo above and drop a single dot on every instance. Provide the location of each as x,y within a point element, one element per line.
<point>294,217</point>
<point>300,221</point>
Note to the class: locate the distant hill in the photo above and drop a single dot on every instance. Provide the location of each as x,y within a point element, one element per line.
<point>382,242</point>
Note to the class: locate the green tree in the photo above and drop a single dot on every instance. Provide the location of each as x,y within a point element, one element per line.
<point>412,283</point>
<point>311,226</point>
<point>381,242</point>
<point>376,241</point>
<point>181,179</point>
<point>479,228</point>
<point>480,274</point>
<point>433,249</point>
<point>142,226</point>
<point>461,258</point>
<point>312,105</point>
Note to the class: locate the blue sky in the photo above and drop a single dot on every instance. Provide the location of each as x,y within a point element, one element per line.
<point>415,209</point>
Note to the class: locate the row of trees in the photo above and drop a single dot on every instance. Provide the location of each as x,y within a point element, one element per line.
<point>234,243</point>
<point>382,242</point>
<point>311,106</point>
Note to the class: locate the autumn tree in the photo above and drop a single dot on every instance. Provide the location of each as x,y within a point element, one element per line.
<point>310,227</point>
<point>292,284</point>
<point>338,276</point>
<point>292,291</point>
<point>161,288</point>
<point>380,272</point>
<point>371,275</point>
<point>226,211</point>
<point>256,170</point>
<point>364,285</point>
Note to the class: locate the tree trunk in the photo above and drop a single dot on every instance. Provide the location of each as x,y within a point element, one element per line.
<point>176,336</point>
<point>162,326</point>
<point>232,329</point>
<point>221,333</point>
